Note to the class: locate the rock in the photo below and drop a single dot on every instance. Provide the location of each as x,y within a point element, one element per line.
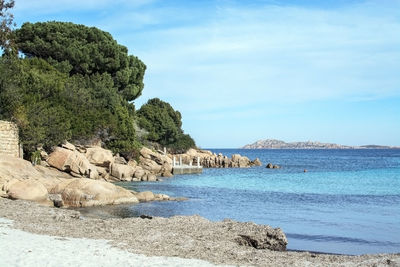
<point>99,156</point>
<point>191,152</point>
<point>102,171</point>
<point>57,200</point>
<point>81,149</point>
<point>132,163</point>
<point>143,216</point>
<point>178,198</point>
<point>44,164</point>
<point>258,236</point>
<point>146,152</point>
<point>150,165</point>
<point>15,168</point>
<point>28,189</point>
<point>240,161</point>
<point>145,196</point>
<point>167,174</point>
<point>154,162</point>
<point>120,160</point>
<point>139,173</point>
<point>87,192</point>
<point>269,166</point>
<point>68,146</point>
<point>151,177</point>
<point>276,167</point>
<point>43,155</point>
<point>122,172</point>
<point>72,161</point>
<point>161,197</point>
<point>58,158</point>
<point>256,162</point>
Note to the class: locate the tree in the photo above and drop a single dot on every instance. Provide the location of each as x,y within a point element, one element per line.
<point>6,24</point>
<point>79,49</point>
<point>164,125</point>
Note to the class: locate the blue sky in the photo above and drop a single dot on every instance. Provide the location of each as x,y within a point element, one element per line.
<point>240,71</point>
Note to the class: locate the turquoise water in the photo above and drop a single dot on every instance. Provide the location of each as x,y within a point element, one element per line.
<point>348,201</point>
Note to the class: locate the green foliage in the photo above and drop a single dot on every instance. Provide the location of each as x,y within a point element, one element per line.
<point>50,106</point>
<point>79,49</point>
<point>6,23</point>
<point>35,157</point>
<point>29,93</point>
<point>76,84</point>
<point>164,125</point>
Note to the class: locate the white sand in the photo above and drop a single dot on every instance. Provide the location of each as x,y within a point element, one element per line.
<point>19,248</point>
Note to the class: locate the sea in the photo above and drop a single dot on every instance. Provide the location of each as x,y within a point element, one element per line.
<point>348,201</point>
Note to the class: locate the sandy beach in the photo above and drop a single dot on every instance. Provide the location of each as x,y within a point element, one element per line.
<point>31,234</point>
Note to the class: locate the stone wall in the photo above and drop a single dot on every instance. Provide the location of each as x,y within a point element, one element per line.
<point>9,139</point>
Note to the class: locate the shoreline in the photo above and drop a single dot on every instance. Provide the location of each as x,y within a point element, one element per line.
<point>189,237</point>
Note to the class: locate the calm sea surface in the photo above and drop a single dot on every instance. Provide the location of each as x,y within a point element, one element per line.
<point>348,201</point>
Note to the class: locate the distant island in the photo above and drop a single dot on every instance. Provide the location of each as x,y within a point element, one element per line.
<point>279,144</point>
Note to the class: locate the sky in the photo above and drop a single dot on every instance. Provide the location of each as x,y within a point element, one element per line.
<point>240,71</point>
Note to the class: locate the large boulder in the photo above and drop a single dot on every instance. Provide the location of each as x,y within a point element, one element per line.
<point>139,173</point>
<point>28,189</point>
<point>145,196</point>
<point>12,167</point>
<point>240,161</point>
<point>72,161</point>
<point>122,172</point>
<point>87,192</point>
<point>154,162</point>
<point>150,165</point>
<point>99,156</point>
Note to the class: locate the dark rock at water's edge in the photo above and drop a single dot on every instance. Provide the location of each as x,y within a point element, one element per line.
<point>271,166</point>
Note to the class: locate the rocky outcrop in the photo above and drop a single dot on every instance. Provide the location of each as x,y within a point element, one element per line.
<point>19,179</point>
<point>208,159</point>
<point>122,172</point>
<point>86,192</point>
<point>72,161</point>
<point>28,189</point>
<point>155,163</point>
<point>99,156</point>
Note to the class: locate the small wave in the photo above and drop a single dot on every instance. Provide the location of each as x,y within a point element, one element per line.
<point>340,239</point>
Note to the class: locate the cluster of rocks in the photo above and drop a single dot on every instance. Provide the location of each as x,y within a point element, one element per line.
<point>80,178</point>
<point>208,159</point>
<point>99,163</point>
<point>271,166</point>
